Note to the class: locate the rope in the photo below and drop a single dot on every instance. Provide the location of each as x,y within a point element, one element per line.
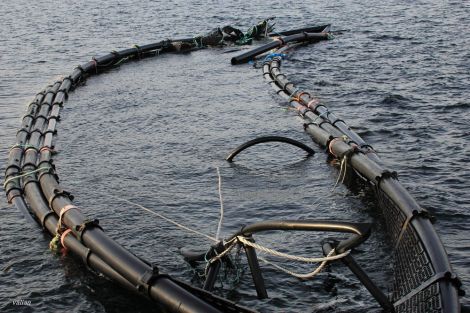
<point>54,243</point>
<point>342,172</point>
<point>274,55</point>
<point>61,231</point>
<point>200,44</point>
<point>298,275</point>
<point>120,61</point>
<point>62,237</point>
<point>219,226</point>
<point>23,175</point>
<point>294,92</point>
<point>323,115</point>
<point>240,239</point>
<point>26,146</point>
<point>219,256</point>
<point>166,218</point>
<point>332,142</point>
<point>93,60</point>
<point>216,239</point>
<point>289,256</point>
<point>313,102</point>
<point>64,210</point>
<point>232,243</point>
<point>139,51</point>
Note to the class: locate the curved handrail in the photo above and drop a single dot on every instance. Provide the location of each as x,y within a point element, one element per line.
<point>360,231</point>
<point>265,139</point>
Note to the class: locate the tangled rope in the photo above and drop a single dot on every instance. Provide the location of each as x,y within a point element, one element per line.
<point>289,256</point>
<point>342,172</point>
<point>245,242</point>
<point>240,239</point>
<point>298,275</point>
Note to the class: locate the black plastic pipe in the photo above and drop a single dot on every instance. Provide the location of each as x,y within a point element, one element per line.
<point>136,273</point>
<point>309,116</point>
<point>36,115</point>
<point>175,296</point>
<point>12,186</point>
<point>361,231</point>
<point>304,99</point>
<point>319,115</point>
<point>304,37</point>
<point>159,288</point>
<point>265,139</point>
<point>312,29</point>
<point>367,166</point>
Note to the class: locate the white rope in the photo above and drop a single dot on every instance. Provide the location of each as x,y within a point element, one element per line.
<point>217,235</point>
<point>342,172</point>
<point>289,256</point>
<point>167,219</point>
<point>232,243</point>
<point>240,239</point>
<point>299,275</point>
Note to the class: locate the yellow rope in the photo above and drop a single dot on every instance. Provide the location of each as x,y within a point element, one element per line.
<point>23,175</point>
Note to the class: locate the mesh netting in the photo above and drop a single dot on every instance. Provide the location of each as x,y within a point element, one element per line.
<point>427,301</point>
<point>412,265</point>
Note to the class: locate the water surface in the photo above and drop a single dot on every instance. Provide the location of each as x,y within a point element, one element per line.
<point>154,132</point>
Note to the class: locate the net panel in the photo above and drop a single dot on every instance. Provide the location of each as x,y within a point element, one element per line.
<point>412,265</point>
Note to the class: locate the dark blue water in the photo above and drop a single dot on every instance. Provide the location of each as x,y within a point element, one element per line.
<point>154,132</point>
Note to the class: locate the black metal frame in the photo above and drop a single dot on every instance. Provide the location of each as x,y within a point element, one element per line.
<point>360,231</point>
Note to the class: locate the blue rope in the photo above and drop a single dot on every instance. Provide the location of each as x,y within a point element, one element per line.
<point>270,56</point>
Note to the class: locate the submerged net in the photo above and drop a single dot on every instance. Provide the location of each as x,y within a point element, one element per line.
<point>413,267</point>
